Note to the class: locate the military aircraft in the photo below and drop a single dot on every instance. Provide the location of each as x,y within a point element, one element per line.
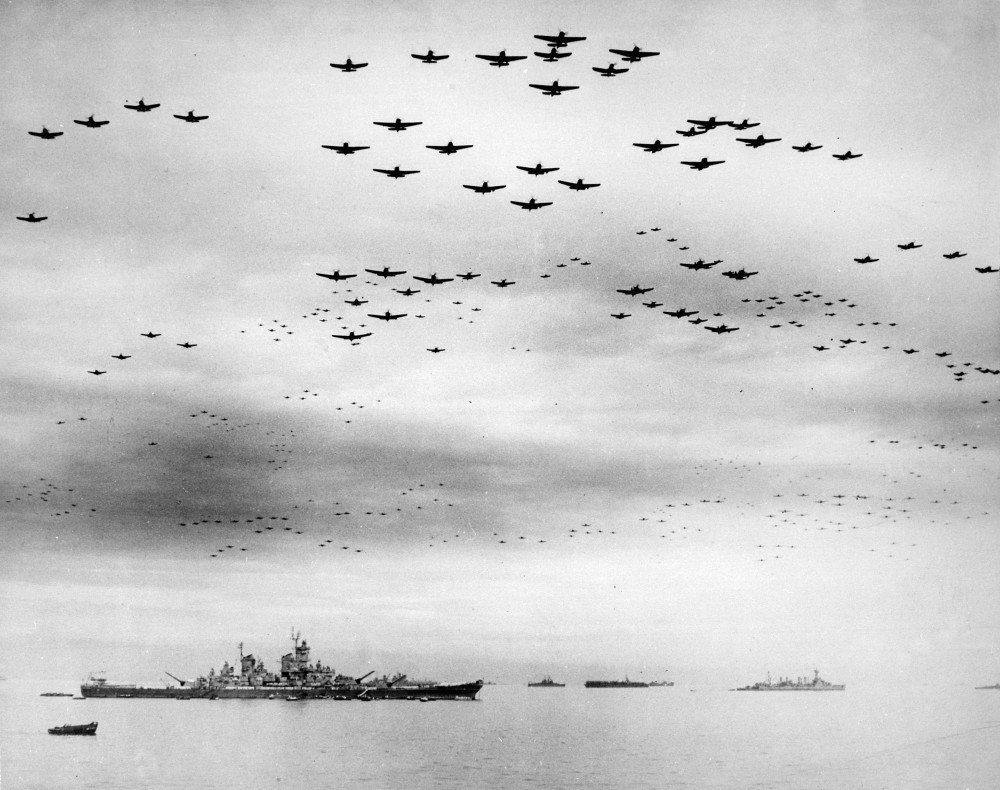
<point>807,147</point>
<point>758,141</point>
<point>956,254</point>
<point>552,55</point>
<point>744,124</point>
<point>141,106</point>
<point>387,316</point>
<point>635,290</point>
<point>484,188</point>
<point>620,316</point>
<point>610,71</point>
<point>32,218</point>
<point>91,123</point>
<point>355,302</point>
<point>502,283</point>
<point>578,184</point>
<point>433,279</point>
<point>721,329</point>
<point>191,117</point>
<point>45,134</point>
<point>435,350</point>
<point>336,276</point>
<point>986,269</point>
<point>846,156</point>
<point>395,172</point>
<point>150,334</point>
<point>911,351</point>
<point>187,345</point>
<point>450,148</point>
<point>692,132</point>
<point>502,59</point>
<point>537,170</point>
<point>654,146</point>
<point>699,264</point>
<point>697,321</point>
<point>531,205</point>
<point>121,356</point>
<point>406,291</point>
<point>430,57</point>
<point>468,276</point>
<point>651,305</point>
<point>97,372</point>
<point>384,272</point>
<point>555,89</point>
<point>397,125</point>
<point>910,245</point>
<point>349,65</point>
<point>703,163</point>
<point>352,336</point>
<point>560,40</point>
<point>711,123</point>
<point>822,348</point>
<point>742,274</point>
<point>346,149</point>
<point>866,259</point>
<point>681,313</point>
<point>633,55</point>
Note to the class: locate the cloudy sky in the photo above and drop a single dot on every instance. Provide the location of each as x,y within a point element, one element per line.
<point>557,490</point>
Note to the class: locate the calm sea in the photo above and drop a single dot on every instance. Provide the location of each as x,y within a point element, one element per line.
<point>513,737</point>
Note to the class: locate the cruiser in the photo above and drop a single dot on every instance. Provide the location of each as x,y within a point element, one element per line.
<point>799,684</point>
<point>547,683</point>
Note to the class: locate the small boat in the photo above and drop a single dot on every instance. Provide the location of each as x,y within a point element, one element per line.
<point>75,729</point>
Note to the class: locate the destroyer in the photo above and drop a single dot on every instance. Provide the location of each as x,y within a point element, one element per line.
<point>615,684</point>
<point>799,684</point>
<point>298,677</point>
<point>547,683</point>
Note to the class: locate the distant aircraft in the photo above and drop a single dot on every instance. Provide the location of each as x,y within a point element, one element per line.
<point>537,170</point>
<point>986,269</point>
<point>807,147</point>
<point>336,276</point>
<point>555,89</point>
<point>822,348</point>
<point>397,125</point>
<point>635,290</point>
<point>346,149</point>
<point>121,356</point>
<point>758,141</point>
<point>531,205</point>
<point>703,163</point>
<point>32,218</point>
<point>191,117</point>
<point>387,316</point>
<point>468,276</point>
<point>692,132</point>
<point>384,272</point>
<point>141,106</point>
<point>844,157</point>
<point>502,59</point>
<point>711,123</point>
<point>97,372</point>
<point>430,57</point>
<point>552,55</point>
<point>610,71</point>
<point>699,264</point>
<point>435,350</point>
<point>910,245</point>
<point>352,336</point>
<point>91,123</point>
<point>721,329</point>
<point>681,313</point>
<point>578,184</point>
<point>348,65</point>
<point>433,279</point>
<point>633,55</point>
<point>187,345</point>
<point>355,302</point>
<point>654,146</point>
<point>395,172</point>
<point>697,321</point>
<point>866,259</point>
<point>406,291</point>
<point>744,124</point>
<point>956,254</point>
<point>502,283</point>
<point>45,134</point>
<point>484,188</point>
<point>652,304</point>
<point>620,316</point>
<point>450,148</point>
<point>742,274</point>
<point>560,40</point>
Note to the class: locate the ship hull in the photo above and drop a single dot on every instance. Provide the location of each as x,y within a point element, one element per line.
<point>457,691</point>
<point>615,684</point>
<point>829,688</point>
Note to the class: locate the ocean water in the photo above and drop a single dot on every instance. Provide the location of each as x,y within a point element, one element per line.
<point>513,737</point>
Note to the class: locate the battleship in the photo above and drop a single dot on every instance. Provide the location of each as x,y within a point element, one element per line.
<point>298,678</point>
<point>615,684</point>
<point>799,684</point>
<point>547,683</point>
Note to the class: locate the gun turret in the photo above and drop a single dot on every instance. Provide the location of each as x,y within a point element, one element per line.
<point>182,682</point>
<point>392,683</point>
<point>358,680</point>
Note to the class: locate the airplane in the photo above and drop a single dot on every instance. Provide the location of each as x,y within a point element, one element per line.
<point>807,147</point>
<point>468,276</point>
<point>822,348</point>
<point>711,123</point>
<point>484,188</point>
<point>150,334</point>
<point>579,185</point>
<point>141,106</point>
<point>355,302</point>
<point>910,245</point>
<point>620,316</point>
<point>433,279</point>
<point>387,316</point>
<point>537,170</point>
<point>552,55</point>
<point>348,66</point>
<point>395,172</point>
<point>866,259</point>
<point>502,283</point>
<point>758,141</point>
<point>943,354</point>
<point>352,336</point>
<point>703,163</point>
<point>97,372</point>
<point>336,276</point>
<point>681,313</point>
<point>610,71</point>
<point>655,146</point>
<point>531,205</point>
<point>692,132</point>
<point>986,269</point>
<point>555,89</point>
<point>45,134</point>
<point>697,321</point>
<point>846,156</point>
<point>406,291</point>
<point>384,272</point>
<point>91,123</point>
<point>560,40</point>
<point>744,124</point>
<point>721,329</point>
<point>32,218</point>
<point>191,117</point>
<point>911,351</point>
<point>346,149</point>
<point>742,274</point>
<point>430,57</point>
<point>450,148</point>
<point>187,345</point>
<point>121,356</point>
<point>633,55</point>
<point>699,264</point>
<point>397,125</point>
<point>635,290</point>
<point>956,254</point>
<point>651,305</point>
<point>640,233</point>
<point>502,59</point>
<point>435,350</point>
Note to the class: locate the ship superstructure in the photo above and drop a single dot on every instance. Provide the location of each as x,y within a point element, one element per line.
<point>798,684</point>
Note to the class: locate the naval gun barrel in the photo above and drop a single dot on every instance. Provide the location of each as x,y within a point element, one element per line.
<point>392,683</point>
<point>182,682</point>
<point>358,680</point>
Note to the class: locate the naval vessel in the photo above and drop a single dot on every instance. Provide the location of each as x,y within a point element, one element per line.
<point>799,684</point>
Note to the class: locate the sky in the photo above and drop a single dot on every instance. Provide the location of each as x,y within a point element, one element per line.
<point>574,482</point>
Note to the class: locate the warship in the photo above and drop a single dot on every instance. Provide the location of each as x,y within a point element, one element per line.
<point>298,678</point>
<point>799,684</point>
<point>615,684</point>
<point>994,687</point>
<point>547,683</point>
